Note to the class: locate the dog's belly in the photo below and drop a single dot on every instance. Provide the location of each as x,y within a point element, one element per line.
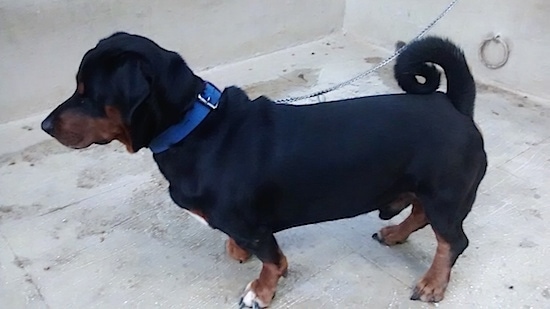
<point>328,206</point>
<point>348,187</point>
<point>314,215</point>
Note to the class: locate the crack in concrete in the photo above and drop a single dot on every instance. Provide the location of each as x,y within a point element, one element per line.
<point>22,264</point>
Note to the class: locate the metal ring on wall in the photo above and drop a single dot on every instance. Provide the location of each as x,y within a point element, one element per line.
<point>498,40</point>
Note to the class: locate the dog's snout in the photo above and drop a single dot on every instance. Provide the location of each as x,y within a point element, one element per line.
<point>47,125</point>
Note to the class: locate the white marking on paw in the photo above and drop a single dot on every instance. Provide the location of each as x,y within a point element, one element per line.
<point>199,218</point>
<point>249,297</point>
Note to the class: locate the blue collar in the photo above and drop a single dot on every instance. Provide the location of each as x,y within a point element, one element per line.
<point>206,102</point>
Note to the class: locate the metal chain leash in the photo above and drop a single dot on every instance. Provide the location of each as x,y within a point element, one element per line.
<point>377,67</point>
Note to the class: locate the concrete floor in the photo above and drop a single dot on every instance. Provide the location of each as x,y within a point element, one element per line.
<point>96,228</point>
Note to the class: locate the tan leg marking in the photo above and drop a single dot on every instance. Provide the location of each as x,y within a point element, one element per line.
<point>396,234</point>
<point>431,288</point>
<point>262,290</point>
<point>236,252</point>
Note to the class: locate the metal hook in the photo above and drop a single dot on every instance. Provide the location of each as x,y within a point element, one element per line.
<point>498,40</point>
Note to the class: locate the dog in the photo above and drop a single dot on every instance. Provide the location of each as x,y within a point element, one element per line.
<point>252,168</point>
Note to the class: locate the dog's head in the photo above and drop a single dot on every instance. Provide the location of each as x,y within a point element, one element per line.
<point>128,89</point>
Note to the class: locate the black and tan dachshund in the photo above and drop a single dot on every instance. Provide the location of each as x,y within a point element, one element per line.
<point>252,168</point>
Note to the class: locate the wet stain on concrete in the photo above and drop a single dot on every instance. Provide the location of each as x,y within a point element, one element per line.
<point>16,212</point>
<point>373,60</point>
<point>34,153</point>
<point>21,262</point>
<point>288,82</point>
<point>526,243</point>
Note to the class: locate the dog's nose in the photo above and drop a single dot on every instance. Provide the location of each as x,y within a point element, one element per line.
<point>47,125</point>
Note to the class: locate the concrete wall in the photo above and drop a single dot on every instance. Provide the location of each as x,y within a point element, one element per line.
<point>42,41</point>
<point>525,26</point>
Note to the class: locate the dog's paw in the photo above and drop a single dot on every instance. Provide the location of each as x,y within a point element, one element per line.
<point>390,235</point>
<point>429,290</point>
<point>251,299</point>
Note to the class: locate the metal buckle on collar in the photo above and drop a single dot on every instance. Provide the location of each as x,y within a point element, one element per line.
<point>207,102</point>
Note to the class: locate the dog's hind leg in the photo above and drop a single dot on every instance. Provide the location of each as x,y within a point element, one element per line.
<point>446,217</point>
<point>397,234</point>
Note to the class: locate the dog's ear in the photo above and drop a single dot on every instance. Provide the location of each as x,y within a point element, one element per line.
<point>173,88</point>
<point>121,80</point>
<point>131,86</point>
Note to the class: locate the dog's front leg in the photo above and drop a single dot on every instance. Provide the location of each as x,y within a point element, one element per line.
<point>260,292</point>
<point>235,252</point>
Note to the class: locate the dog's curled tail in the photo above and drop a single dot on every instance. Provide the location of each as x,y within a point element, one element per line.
<point>418,59</point>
